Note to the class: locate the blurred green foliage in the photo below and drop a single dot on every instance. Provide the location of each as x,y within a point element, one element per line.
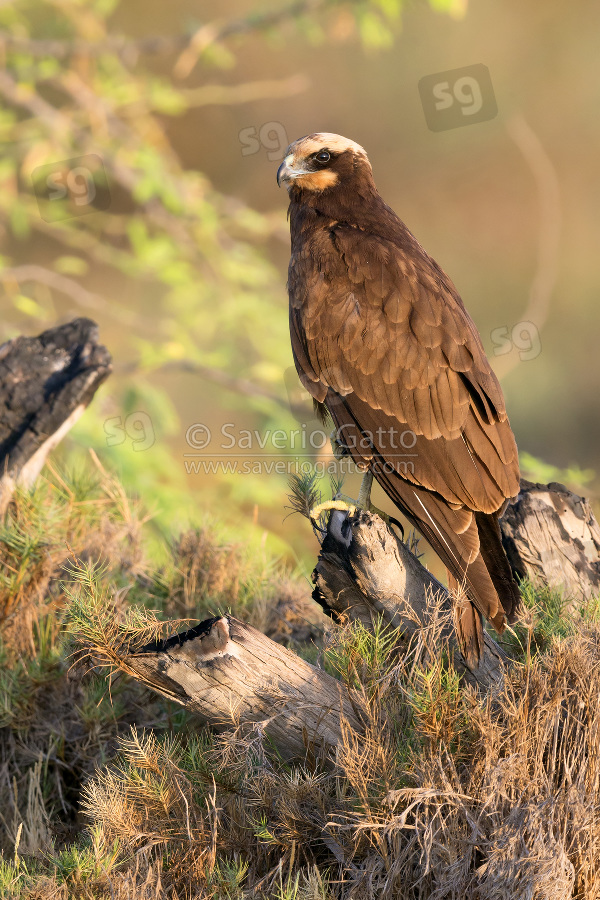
<point>119,229</point>
<point>535,469</point>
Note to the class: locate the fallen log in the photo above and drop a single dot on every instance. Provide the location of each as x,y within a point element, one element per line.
<point>46,382</point>
<point>551,536</point>
<point>365,572</point>
<point>230,674</point>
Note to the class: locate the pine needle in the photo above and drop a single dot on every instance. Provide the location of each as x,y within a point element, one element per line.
<point>304,494</point>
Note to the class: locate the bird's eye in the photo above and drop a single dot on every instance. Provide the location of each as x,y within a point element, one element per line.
<point>322,156</point>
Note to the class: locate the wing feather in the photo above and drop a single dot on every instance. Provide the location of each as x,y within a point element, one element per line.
<point>389,328</point>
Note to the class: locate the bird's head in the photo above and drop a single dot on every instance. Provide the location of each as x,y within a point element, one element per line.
<point>321,162</point>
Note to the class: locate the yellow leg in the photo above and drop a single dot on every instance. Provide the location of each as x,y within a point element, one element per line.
<point>364,494</point>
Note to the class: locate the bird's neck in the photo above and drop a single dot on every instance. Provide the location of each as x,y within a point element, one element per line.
<point>357,206</point>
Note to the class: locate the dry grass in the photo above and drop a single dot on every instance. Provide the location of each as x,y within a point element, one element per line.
<point>451,795</point>
<point>54,728</point>
<point>207,573</point>
<point>66,518</point>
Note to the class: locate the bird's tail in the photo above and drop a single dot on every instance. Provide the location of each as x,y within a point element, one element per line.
<point>467,542</point>
<point>468,623</point>
<point>496,563</point>
<point>488,572</point>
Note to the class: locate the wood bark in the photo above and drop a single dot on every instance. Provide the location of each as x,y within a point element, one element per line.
<point>229,673</point>
<point>46,382</point>
<point>552,537</point>
<point>365,572</point>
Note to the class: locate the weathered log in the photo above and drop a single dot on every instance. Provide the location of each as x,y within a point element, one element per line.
<point>229,673</point>
<point>552,537</point>
<point>365,572</point>
<point>46,382</point>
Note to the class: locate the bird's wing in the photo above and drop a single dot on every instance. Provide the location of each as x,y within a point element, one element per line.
<point>377,323</point>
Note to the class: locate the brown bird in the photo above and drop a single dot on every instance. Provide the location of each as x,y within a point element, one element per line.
<point>380,336</point>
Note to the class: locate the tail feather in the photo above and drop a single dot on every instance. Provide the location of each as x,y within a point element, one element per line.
<point>496,562</point>
<point>466,541</point>
<point>468,624</point>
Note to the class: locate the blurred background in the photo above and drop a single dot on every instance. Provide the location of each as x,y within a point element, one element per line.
<point>140,144</point>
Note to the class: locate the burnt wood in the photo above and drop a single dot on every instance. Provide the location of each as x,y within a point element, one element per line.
<point>46,382</point>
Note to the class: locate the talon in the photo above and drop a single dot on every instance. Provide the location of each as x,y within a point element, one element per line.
<point>344,503</point>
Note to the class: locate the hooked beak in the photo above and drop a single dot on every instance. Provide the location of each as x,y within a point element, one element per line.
<point>286,172</point>
<point>280,173</point>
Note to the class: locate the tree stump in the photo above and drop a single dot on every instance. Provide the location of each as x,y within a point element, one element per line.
<point>365,571</point>
<point>231,675</point>
<point>552,537</point>
<point>46,382</point>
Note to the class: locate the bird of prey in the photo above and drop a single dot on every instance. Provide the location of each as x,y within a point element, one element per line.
<point>381,338</point>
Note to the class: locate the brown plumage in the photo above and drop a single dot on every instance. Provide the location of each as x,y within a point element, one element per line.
<point>381,337</point>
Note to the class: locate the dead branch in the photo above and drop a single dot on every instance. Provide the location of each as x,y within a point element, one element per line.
<point>46,382</point>
<point>552,537</point>
<point>230,674</point>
